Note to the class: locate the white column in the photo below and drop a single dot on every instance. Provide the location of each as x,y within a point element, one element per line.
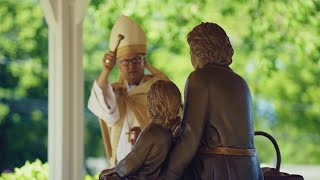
<point>66,117</point>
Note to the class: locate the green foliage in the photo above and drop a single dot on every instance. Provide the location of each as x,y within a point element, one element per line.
<point>89,177</point>
<point>30,171</point>
<point>24,83</point>
<point>34,171</point>
<point>284,64</point>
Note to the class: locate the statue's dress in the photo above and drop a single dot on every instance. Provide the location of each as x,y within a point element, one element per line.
<point>217,138</point>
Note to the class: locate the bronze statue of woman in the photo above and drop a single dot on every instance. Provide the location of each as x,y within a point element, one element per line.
<point>217,125</point>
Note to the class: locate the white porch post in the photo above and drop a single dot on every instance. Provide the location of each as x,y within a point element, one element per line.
<point>66,117</point>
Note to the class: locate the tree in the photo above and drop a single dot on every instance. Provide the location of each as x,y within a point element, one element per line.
<point>284,71</point>
<point>24,83</point>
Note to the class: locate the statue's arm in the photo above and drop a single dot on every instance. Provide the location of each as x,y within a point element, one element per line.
<point>136,158</point>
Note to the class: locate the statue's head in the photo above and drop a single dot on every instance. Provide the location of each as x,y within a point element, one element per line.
<point>163,103</point>
<point>209,43</point>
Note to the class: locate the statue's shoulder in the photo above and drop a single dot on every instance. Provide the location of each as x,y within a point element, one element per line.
<point>199,77</point>
<point>197,73</point>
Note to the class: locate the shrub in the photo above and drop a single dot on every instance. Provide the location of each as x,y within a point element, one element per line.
<point>34,171</point>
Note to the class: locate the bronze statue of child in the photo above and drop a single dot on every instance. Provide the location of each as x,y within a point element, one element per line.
<point>154,142</point>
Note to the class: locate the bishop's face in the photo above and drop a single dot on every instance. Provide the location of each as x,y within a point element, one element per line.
<point>132,67</point>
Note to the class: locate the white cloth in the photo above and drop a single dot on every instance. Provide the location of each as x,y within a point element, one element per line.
<point>98,105</point>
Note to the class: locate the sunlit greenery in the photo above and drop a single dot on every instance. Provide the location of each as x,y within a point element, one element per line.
<point>35,170</point>
<point>277,50</point>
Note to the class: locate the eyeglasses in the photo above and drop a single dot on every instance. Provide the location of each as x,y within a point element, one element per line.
<point>135,60</point>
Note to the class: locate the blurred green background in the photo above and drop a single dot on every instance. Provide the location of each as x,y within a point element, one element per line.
<point>277,50</point>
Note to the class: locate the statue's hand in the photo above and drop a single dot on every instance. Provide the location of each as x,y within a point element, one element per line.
<point>111,172</point>
<point>107,172</point>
